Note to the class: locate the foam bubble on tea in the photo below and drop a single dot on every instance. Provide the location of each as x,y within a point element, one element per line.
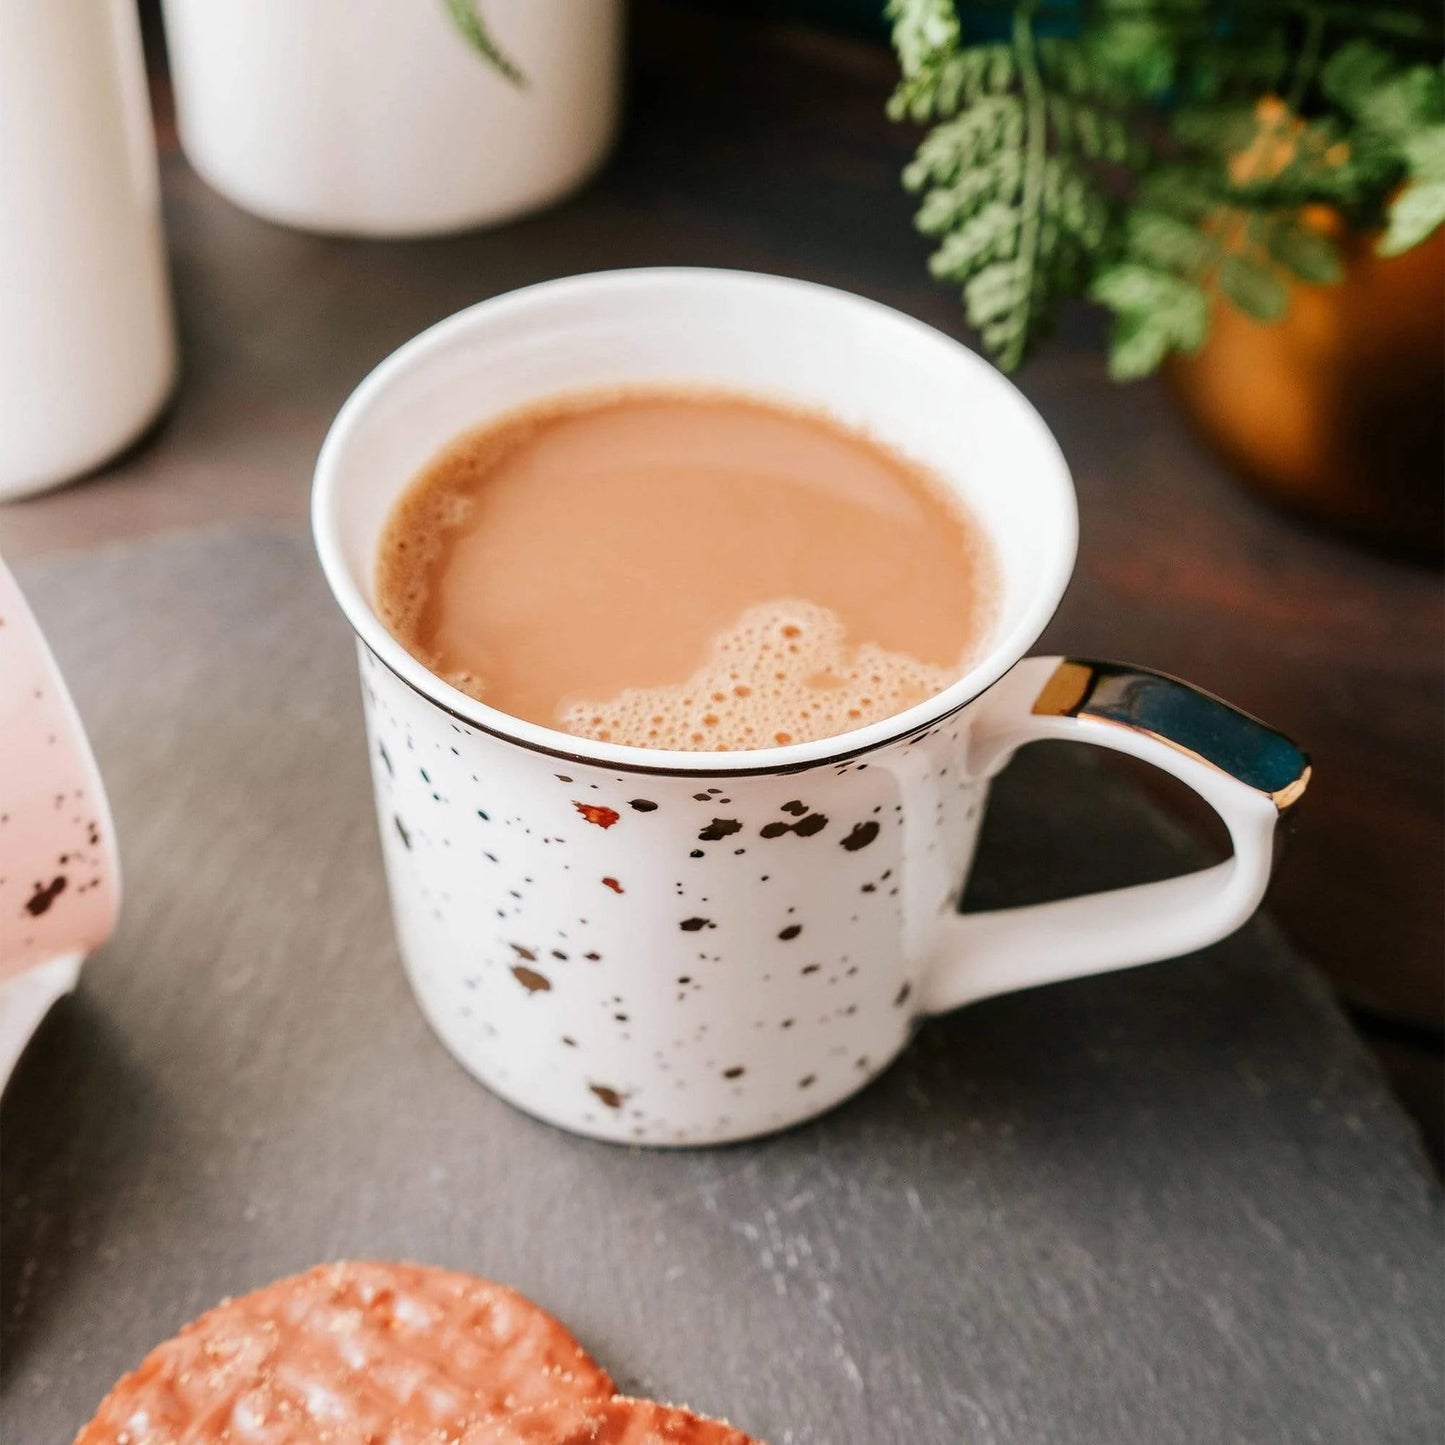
<point>680,569</point>
<point>784,673</point>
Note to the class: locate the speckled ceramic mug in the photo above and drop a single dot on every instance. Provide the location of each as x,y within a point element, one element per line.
<point>687,948</point>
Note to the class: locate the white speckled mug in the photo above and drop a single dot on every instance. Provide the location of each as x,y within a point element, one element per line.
<point>687,948</point>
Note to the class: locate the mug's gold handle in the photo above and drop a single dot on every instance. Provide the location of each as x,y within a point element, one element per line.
<point>1249,773</point>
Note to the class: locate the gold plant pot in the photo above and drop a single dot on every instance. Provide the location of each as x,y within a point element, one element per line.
<point>1338,410</point>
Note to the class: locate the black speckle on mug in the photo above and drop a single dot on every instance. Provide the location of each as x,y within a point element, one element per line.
<point>805,827</point>
<point>44,895</point>
<point>861,836</point>
<point>718,829</point>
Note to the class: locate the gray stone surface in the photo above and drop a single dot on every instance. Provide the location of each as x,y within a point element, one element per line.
<point>1175,1205</point>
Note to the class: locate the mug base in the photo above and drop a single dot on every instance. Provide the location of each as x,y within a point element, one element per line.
<point>655,1135</point>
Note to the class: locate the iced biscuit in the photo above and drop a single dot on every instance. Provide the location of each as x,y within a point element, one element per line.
<point>349,1354</point>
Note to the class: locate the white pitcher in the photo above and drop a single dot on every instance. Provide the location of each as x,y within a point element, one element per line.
<point>87,347</point>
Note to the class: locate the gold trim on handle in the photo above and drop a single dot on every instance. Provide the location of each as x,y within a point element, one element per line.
<point>1193,722</point>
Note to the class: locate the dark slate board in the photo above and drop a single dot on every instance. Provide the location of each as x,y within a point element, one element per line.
<point>1169,1206</point>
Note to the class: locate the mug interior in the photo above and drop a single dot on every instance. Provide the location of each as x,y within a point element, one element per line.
<point>871,368</point>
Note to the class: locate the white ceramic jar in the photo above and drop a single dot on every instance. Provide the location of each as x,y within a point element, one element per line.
<point>87,348</point>
<point>378,118</point>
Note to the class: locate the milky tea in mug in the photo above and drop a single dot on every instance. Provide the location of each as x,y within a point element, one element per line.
<point>682,569</point>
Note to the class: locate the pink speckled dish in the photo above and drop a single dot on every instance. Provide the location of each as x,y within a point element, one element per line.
<point>59,873</point>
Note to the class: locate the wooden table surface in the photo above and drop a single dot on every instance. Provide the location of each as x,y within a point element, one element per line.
<point>766,148</point>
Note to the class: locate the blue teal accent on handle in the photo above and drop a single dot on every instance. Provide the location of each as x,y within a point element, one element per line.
<point>1190,719</point>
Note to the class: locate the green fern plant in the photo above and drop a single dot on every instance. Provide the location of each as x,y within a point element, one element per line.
<point>473,28</point>
<point>1150,153</point>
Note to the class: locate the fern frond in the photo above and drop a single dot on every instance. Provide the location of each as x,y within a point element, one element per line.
<point>1303,252</point>
<point>1191,190</point>
<point>1419,209</point>
<point>953,81</point>
<point>1084,69</point>
<point>969,250</point>
<point>1166,241</point>
<point>984,131</point>
<point>1256,288</point>
<point>926,37</point>
<point>1400,136</point>
<point>1155,313</point>
<point>946,206</point>
<point>1007,175</point>
<point>1094,133</point>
